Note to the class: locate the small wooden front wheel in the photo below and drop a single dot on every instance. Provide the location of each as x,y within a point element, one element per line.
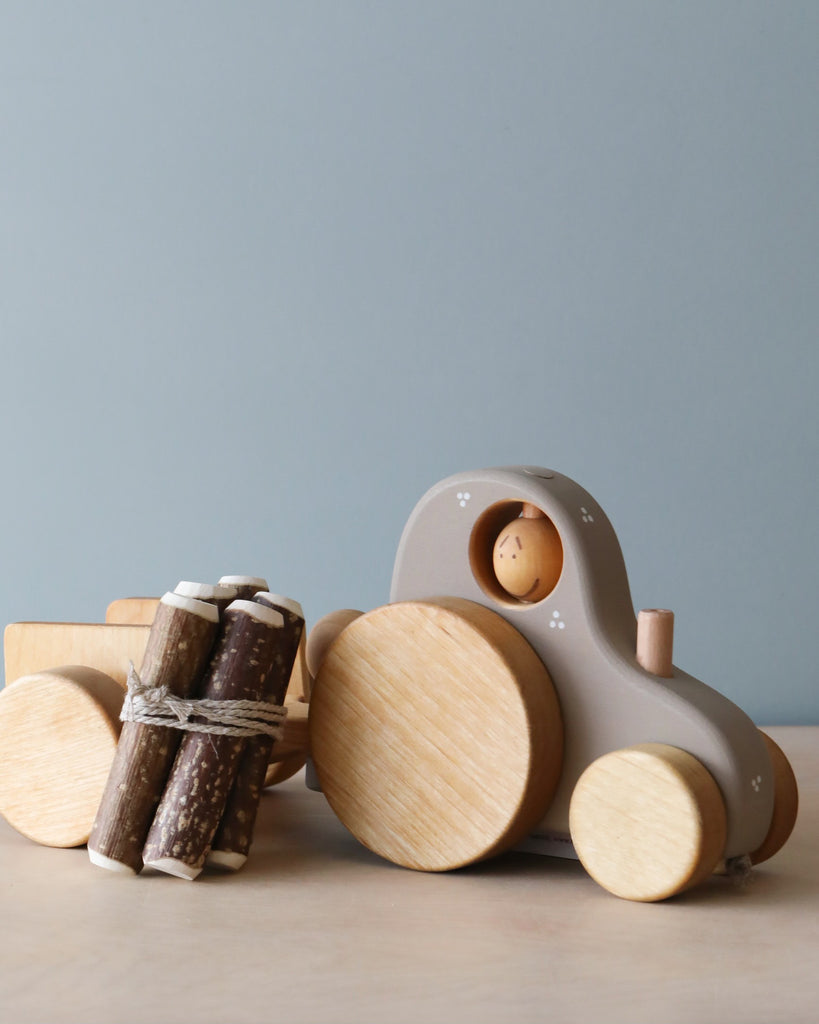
<point>647,821</point>
<point>435,732</point>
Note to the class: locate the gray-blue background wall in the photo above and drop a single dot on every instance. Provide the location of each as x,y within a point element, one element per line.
<point>268,271</point>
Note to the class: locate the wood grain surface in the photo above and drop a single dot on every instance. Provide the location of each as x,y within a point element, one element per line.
<point>58,734</point>
<point>648,821</point>
<point>37,646</point>
<point>435,732</point>
<point>132,611</point>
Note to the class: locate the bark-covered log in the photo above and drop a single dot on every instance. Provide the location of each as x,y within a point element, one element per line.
<point>205,766</point>
<point>232,841</point>
<point>178,650</point>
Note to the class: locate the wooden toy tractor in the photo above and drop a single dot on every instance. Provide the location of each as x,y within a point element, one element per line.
<point>508,697</point>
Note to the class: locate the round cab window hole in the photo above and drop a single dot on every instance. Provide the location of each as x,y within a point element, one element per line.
<point>516,553</point>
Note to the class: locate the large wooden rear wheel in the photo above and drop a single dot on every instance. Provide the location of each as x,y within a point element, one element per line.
<point>435,732</point>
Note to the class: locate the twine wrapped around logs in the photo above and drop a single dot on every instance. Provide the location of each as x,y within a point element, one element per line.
<point>157,705</point>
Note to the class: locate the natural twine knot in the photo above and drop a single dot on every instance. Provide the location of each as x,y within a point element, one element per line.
<point>156,705</point>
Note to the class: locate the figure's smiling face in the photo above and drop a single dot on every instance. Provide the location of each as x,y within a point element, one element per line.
<point>527,558</point>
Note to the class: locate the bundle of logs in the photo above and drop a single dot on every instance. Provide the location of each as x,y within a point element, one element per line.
<point>200,721</point>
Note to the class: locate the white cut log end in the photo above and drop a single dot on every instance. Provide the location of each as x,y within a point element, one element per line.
<point>109,863</point>
<point>205,591</point>
<point>279,601</point>
<point>226,859</point>
<point>172,866</point>
<point>244,581</point>
<point>259,612</point>
<point>190,604</point>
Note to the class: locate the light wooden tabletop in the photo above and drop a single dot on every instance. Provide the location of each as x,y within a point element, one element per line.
<point>315,928</point>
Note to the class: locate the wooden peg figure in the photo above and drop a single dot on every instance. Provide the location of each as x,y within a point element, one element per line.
<point>528,556</point>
